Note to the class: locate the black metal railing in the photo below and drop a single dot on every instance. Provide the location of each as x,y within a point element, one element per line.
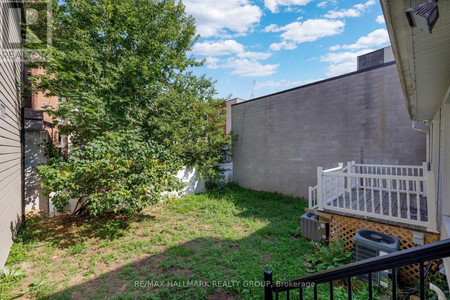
<point>418,255</point>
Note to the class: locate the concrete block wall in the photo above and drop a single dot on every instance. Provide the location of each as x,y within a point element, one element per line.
<point>284,137</point>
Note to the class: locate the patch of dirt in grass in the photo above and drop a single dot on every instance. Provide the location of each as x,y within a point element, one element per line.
<point>116,286</point>
<point>266,258</point>
<point>194,245</point>
<point>152,263</point>
<point>182,272</point>
<point>233,248</point>
<point>240,228</point>
<point>66,231</point>
<point>217,245</point>
<point>268,240</point>
<point>75,279</point>
<point>90,287</point>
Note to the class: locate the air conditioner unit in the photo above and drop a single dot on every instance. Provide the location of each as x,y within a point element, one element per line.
<point>313,228</point>
<point>368,244</point>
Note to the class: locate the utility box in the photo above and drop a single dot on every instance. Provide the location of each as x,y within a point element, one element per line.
<point>368,244</point>
<point>313,228</point>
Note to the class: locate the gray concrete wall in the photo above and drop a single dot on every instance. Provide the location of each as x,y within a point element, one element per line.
<point>284,137</point>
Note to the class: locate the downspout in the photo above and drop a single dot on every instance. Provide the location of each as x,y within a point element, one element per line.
<point>428,164</point>
<point>438,291</point>
<point>427,141</point>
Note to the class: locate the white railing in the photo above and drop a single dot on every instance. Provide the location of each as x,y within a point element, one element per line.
<point>329,183</point>
<point>403,194</point>
<point>313,197</point>
<point>388,169</point>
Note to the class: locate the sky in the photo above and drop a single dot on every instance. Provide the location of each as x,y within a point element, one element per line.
<point>258,47</point>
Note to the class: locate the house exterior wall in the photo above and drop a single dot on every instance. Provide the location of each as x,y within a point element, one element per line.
<point>445,177</point>
<point>284,137</point>
<point>35,155</point>
<point>440,158</point>
<point>10,130</point>
<point>39,130</point>
<point>38,101</point>
<point>440,164</point>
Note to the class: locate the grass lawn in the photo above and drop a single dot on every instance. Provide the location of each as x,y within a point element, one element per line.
<point>223,240</point>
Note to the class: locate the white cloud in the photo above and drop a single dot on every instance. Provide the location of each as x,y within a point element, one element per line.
<point>341,57</point>
<point>254,55</point>
<point>226,47</point>
<point>322,4</point>
<point>325,3</point>
<point>271,28</point>
<point>273,5</point>
<point>307,31</point>
<point>311,30</point>
<point>281,83</point>
<point>218,48</point>
<point>380,19</point>
<point>335,47</point>
<point>248,68</point>
<point>283,45</point>
<point>293,9</point>
<point>216,17</point>
<point>212,62</point>
<point>354,11</point>
<point>339,69</point>
<point>376,38</point>
<point>245,67</point>
<point>343,62</point>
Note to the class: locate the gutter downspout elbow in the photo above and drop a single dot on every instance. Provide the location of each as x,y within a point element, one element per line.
<point>438,291</point>
<point>418,129</point>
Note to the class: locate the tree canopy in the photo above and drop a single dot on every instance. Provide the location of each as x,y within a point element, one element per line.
<point>134,110</point>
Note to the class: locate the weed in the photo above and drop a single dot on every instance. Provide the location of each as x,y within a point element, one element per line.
<point>110,257</point>
<point>328,257</point>
<point>79,248</point>
<point>9,279</point>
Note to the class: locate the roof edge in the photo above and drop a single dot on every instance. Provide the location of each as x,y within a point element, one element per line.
<point>404,82</point>
<point>318,82</point>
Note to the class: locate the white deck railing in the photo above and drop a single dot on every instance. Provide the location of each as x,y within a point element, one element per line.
<point>403,194</point>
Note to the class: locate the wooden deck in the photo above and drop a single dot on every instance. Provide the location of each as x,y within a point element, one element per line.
<point>357,202</point>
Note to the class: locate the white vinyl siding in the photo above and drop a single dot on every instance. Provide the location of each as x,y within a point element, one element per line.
<point>10,126</point>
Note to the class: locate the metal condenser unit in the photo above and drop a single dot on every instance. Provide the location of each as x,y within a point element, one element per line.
<point>368,244</point>
<point>313,228</point>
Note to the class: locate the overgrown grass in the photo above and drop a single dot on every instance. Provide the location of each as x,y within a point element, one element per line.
<point>222,239</point>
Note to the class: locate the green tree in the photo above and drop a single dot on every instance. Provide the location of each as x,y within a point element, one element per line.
<point>122,69</point>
